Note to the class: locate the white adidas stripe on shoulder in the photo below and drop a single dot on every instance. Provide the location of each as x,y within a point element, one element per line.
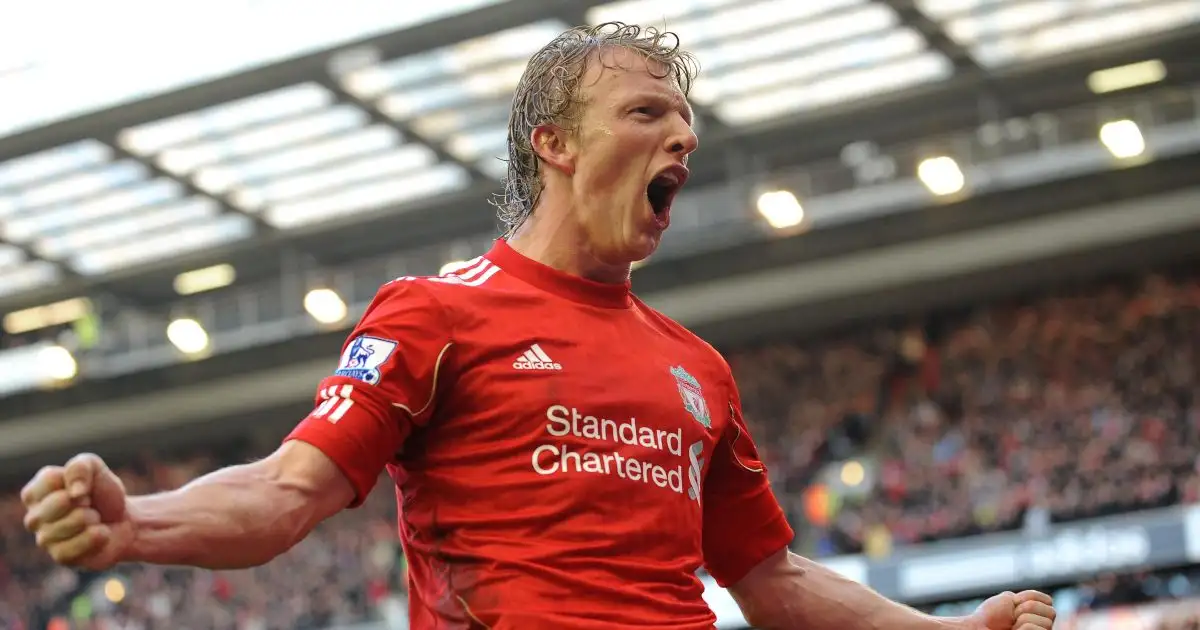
<point>473,274</point>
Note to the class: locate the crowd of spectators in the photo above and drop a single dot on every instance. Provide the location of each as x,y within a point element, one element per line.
<point>1011,415</point>
<point>1068,407</point>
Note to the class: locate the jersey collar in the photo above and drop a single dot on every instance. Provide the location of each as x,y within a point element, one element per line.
<point>557,282</point>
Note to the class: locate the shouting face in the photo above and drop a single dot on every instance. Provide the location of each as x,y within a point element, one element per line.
<point>625,159</point>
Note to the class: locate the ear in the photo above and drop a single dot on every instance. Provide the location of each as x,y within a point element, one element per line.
<point>550,142</point>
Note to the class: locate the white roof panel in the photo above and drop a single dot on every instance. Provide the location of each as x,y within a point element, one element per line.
<point>458,96</point>
<point>261,139</point>
<point>104,206</point>
<point>454,64</point>
<point>274,149</point>
<point>131,226</point>
<point>154,137</point>
<point>47,164</point>
<point>79,205</point>
<point>56,62</point>
<point>221,178</point>
<point>165,243</point>
<point>835,89</point>
<point>773,55</point>
<point>10,257</point>
<point>1004,33</point>
<point>405,159</point>
<point>375,196</point>
<point>27,276</point>
<point>446,121</point>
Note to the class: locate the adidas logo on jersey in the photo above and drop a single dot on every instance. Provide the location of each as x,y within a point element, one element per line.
<point>536,359</point>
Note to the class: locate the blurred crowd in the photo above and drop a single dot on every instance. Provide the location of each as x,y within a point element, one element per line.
<point>1068,407</point>
<point>1014,415</point>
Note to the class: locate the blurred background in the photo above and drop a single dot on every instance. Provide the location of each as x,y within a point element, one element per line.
<point>950,247</point>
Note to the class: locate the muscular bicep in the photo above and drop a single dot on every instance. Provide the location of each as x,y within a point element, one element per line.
<point>302,468</point>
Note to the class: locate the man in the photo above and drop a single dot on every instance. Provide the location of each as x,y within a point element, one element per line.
<point>565,457</point>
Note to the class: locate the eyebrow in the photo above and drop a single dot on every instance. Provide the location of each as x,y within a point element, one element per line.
<point>676,100</point>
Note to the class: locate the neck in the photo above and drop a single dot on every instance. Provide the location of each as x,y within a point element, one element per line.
<point>554,240</point>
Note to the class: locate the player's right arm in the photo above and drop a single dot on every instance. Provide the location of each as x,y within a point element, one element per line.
<point>246,515</point>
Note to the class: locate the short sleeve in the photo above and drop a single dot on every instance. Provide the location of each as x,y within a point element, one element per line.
<point>384,384</point>
<point>743,522</point>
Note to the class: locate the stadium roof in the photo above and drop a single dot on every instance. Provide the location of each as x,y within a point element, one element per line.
<point>260,150</point>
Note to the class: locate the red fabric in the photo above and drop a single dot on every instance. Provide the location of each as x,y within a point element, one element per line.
<point>496,533</point>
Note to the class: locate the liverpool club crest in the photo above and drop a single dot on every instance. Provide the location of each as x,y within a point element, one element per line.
<point>693,396</point>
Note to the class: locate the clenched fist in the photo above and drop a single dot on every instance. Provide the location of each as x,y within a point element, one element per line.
<point>1027,610</point>
<point>77,512</point>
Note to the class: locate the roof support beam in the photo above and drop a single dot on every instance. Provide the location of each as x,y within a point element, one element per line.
<point>189,187</point>
<point>993,105</point>
<point>913,17</point>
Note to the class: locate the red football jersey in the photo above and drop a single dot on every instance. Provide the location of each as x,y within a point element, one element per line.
<point>564,456</point>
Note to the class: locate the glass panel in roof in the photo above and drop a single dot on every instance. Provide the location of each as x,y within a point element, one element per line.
<point>454,62</point>
<point>939,9</point>
<point>807,37</point>
<point>1081,31</point>
<point>81,185</point>
<point>52,163</point>
<point>23,227</point>
<point>290,101</point>
<point>755,45</point>
<point>406,159</point>
<point>751,20</point>
<point>488,84</point>
<point>220,178</point>
<point>71,54</point>
<point>185,159</point>
<point>388,192</point>
<point>27,276</point>
<point>493,167</point>
<point>163,244</point>
<point>855,56</point>
<point>853,84</point>
<point>651,12</point>
<point>443,122</point>
<point>10,256</point>
<point>999,33</point>
<point>129,227</point>
<point>469,147</point>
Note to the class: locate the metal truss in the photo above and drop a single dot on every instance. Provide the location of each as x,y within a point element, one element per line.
<point>189,187</point>
<point>965,64</point>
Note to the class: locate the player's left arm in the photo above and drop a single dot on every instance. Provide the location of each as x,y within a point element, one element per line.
<point>746,539</point>
<point>788,591</point>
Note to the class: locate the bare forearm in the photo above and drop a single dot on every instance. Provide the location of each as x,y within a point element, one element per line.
<point>236,517</point>
<point>804,594</point>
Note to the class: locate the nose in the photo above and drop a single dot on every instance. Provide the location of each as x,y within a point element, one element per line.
<point>683,141</point>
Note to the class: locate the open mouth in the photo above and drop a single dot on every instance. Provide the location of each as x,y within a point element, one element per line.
<point>663,188</point>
